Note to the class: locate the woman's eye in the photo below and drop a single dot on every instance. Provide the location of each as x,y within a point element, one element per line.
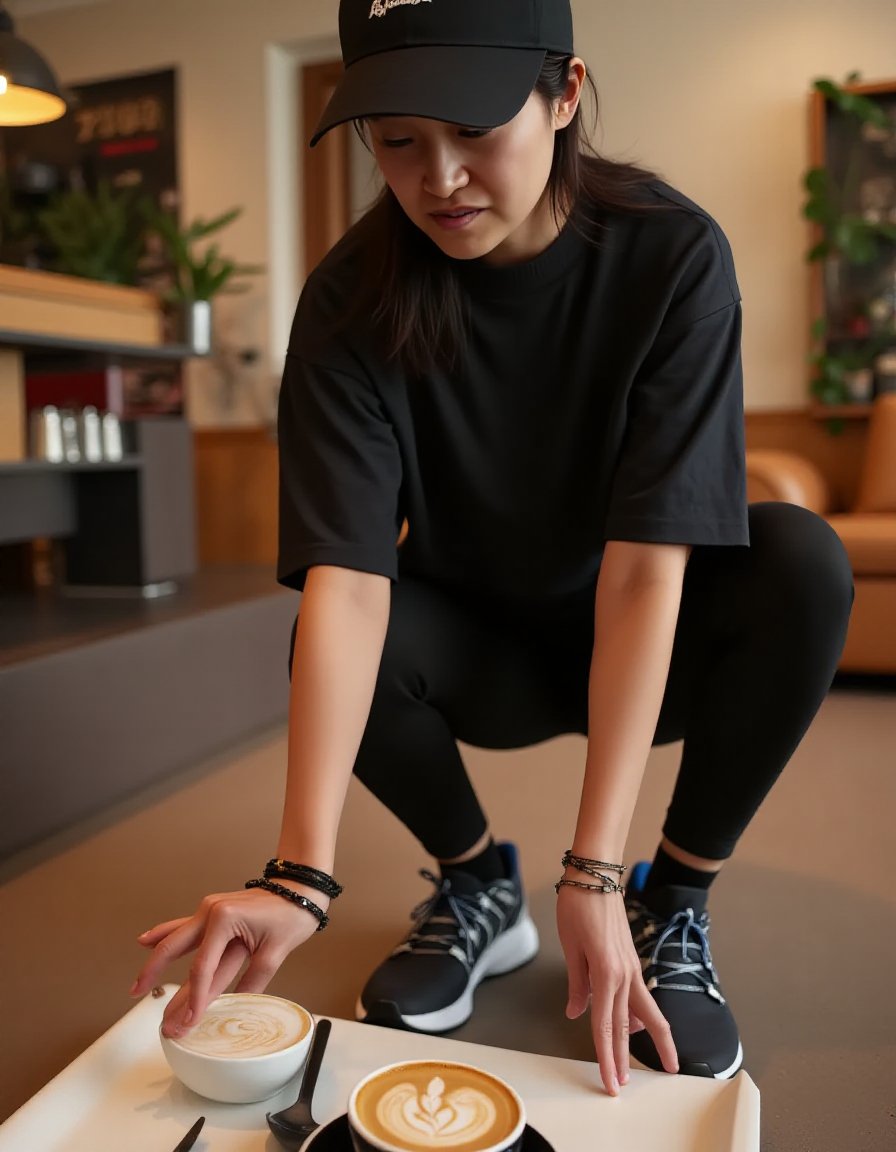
<point>474,133</point>
<point>395,143</point>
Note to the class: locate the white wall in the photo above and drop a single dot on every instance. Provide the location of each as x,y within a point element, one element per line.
<point>712,93</point>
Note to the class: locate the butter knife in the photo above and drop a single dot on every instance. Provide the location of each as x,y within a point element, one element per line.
<point>190,1139</point>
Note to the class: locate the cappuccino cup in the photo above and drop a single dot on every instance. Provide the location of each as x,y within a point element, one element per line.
<point>246,1047</point>
<point>435,1106</point>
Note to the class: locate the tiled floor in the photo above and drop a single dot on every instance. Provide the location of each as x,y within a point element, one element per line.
<point>804,916</point>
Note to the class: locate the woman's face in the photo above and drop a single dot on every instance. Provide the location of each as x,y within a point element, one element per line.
<point>474,192</point>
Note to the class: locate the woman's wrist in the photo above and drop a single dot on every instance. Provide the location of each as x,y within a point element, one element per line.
<point>591,873</point>
<point>303,885</point>
<point>314,851</point>
<point>603,823</point>
<point>317,906</point>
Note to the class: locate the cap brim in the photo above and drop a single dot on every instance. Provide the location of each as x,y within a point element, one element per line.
<point>477,87</point>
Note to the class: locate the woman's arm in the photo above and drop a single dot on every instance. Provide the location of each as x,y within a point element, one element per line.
<point>636,612</point>
<point>339,643</point>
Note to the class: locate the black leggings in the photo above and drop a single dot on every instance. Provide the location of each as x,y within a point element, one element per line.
<point>759,635</point>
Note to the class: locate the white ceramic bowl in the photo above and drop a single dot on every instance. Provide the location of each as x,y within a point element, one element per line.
<point>246,1048</point>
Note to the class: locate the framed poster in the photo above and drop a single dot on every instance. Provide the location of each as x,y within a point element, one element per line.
<point>125,132</point>
<point>120,134</point>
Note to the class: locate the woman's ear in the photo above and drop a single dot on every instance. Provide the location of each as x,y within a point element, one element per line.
<point>566,106</point>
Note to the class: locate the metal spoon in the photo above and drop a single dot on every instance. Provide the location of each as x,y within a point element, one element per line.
<point>293,1125</point>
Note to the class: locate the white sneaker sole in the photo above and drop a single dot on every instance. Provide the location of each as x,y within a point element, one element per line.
<point>726,1074</point>
<point>513,948</point>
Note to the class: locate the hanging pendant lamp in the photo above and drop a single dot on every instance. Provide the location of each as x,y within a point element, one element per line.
<point>29,92</point>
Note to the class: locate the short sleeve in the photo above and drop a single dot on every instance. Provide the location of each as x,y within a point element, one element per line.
<point>680,476</point>
<point>340,474</point>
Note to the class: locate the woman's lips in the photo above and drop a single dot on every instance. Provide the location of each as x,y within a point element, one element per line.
<point>457,218</point>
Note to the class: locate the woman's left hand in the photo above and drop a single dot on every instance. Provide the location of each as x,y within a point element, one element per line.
<point>226,930</point>
<point>604,970</point>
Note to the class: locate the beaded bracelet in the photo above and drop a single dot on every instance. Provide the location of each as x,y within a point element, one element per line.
<point>302,874</point>
<point>294,897</point>
<point>608,886</point>
<point>583,864</point>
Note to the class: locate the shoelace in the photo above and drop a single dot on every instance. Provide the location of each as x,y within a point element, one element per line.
<point>468,919</point>
<point>693,935</point>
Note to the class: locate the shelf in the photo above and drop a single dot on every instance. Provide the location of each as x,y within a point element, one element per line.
<point>32,466</point>
<point>35,342</point>
<point>840,411</point>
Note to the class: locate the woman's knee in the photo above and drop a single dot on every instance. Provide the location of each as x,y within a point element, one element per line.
<point>801,558</point>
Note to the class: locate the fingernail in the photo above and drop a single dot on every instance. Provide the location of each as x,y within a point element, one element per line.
<point>133,990</point>
<point>624,1078</point>
<point>142,934</point>
<point>615,1085</point>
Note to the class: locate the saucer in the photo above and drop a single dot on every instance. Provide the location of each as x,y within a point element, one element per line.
<point>334,1137</point>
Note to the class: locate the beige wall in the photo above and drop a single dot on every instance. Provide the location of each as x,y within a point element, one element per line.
<point>712,93</point>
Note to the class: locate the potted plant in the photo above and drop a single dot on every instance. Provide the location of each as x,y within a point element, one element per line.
<point>16,227</point>
<point>849,236</point>
<point>94,235</point>
<point>199,271</point>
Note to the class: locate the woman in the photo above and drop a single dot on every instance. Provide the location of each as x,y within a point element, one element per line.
<point>530,356</point>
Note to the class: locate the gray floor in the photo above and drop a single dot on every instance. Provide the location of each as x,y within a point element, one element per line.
<point>804,917</point>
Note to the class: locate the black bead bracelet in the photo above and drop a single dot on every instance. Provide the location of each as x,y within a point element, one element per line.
<point>294,897</point>
<point>303,874</point>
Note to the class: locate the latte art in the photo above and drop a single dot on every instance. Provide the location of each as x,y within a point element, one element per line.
<point>430,1106</point>
<point>246,1025</point>
<point>444,1120</point>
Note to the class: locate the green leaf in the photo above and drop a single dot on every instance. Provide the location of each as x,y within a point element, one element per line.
<point>816,211</point>
<point>816,180</point>
<point>827,88</point>
<point>819,251</point>
<point>202,272</point>
<point>199,229</point>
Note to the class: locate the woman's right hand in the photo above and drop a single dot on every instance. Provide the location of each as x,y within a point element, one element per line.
<point>605,972</point>
<point>225,931</point>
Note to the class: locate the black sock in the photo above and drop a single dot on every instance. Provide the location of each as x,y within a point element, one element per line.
<point>665,870</point>
<point>487,866</point>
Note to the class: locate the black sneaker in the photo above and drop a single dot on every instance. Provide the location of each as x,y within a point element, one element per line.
<point>671,938</point>
<point>465,931</point>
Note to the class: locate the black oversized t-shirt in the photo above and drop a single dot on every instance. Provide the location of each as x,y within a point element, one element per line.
<point>599,398</point>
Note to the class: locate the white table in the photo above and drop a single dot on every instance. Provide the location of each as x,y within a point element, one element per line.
<point>120,1094</point>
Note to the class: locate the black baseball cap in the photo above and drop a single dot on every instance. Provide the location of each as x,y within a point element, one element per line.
<point>471,62</point>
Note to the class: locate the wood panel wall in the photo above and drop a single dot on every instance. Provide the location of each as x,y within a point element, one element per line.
<point>236,496</point>
<point>236,478</point>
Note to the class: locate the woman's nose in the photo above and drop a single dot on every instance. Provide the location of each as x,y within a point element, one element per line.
<point>444,173</point>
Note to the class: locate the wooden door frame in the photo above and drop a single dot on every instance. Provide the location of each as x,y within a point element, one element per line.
<point>325,168</point>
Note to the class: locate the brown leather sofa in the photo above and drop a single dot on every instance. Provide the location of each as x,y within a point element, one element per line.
<point>868,531</point>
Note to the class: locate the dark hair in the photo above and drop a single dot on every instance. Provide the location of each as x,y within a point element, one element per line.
<point>419,310</point>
